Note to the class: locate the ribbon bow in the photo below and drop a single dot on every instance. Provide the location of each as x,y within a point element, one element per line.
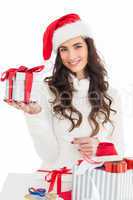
<point>54,175</point>
<point>11,73</point>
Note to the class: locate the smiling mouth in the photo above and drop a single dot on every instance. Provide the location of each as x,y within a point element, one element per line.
<point>75,63</point>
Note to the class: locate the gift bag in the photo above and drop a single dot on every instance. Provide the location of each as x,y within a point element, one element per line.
<point>112,181</point>
<point>59,181</point>
<point>22,83</point>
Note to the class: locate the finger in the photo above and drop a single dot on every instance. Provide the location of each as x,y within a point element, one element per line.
<point>86,149</point>
<point>85,146</point>
<point>81,140</point>
<point>89,150</point>
<point>86,140</point>
<point>26,107</point>
<point>34,107</point>
<point>15,105</point>
<point>7,101</point>
<point>89,154</point>
<point>87,158</point>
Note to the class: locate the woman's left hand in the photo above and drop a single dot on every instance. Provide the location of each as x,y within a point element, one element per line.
<point>87,145</point>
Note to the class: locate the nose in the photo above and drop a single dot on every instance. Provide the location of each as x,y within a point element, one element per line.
<point>71,55</point>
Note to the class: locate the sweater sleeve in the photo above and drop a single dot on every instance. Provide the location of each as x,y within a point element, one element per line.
<point>108,133</point>
<point>41,127</point>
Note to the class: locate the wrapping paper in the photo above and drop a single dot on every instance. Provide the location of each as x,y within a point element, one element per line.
<point>98,184</point>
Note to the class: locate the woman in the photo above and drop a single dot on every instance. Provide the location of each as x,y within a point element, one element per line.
<point>77,110</point>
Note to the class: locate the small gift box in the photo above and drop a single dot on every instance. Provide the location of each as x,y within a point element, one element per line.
<point>111,181</point>
<point>22,83</point>
<point>58,181</point>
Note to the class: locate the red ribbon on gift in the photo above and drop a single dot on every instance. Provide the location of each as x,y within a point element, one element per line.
<point>28,81</point>
<point>54,175</point>
<point>11,73</point>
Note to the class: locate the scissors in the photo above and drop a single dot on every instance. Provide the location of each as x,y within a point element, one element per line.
<point>39,192</point>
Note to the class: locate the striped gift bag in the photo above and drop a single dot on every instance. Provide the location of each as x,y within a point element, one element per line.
<point>106,183</point>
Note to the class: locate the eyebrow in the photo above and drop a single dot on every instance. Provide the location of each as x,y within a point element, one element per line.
<point>78,43</point>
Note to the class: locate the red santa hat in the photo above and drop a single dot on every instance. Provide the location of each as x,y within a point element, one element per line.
<point>61,30</point>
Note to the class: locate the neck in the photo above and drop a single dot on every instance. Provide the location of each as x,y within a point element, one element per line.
<point>80,75</point>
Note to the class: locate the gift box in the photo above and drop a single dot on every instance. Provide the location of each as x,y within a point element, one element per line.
<point>110,181</point>
<point>22,83</point>
<point>58,181</point>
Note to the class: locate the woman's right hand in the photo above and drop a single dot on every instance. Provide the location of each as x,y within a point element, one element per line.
<point>31,108</point>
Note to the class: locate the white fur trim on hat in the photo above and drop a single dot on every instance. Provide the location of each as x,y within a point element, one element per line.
<point>69,31</point>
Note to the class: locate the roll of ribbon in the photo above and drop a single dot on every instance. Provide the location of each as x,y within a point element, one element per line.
<point>116,167</point>
<point>129,161</point>
<point>38,192</point>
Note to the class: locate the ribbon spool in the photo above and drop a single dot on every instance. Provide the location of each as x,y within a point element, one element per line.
<point>38,192</point>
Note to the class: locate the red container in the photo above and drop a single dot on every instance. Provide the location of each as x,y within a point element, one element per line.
<point>129,161</point>
<point>116,166</point>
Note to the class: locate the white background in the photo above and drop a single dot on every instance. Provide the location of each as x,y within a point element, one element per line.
<point>22,24</point>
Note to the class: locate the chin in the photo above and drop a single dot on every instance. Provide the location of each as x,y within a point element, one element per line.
<point>76,69</point>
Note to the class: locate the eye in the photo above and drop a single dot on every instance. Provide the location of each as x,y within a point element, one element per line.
<point>63,49</point>
<point>78,46</point>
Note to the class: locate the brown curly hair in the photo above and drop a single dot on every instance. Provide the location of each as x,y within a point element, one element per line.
<point>62,87</point>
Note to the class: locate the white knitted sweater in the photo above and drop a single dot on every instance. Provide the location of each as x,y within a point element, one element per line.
<point>50,134</point>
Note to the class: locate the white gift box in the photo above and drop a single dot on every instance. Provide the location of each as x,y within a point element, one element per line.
<point>19,86</point>
<point>66,181</point>
<point>97,184</point>
<point>18,82</point>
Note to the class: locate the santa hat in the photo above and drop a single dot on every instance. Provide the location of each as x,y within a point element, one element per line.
<point>61,30</point>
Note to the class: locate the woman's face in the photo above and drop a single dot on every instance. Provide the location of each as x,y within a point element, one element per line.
<point>74,54</point>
